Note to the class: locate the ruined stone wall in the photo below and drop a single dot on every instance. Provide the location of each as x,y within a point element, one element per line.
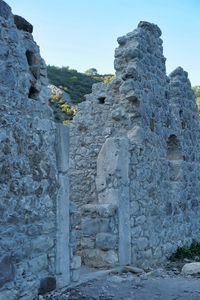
<point>158,115</point>
<point>87,132</point>
<point>34,249</point>
<point>164,152</point>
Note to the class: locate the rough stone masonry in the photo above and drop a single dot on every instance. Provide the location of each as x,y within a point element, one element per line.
<point>135,144</point>
<point>36,241</point>
<point>134,165</point>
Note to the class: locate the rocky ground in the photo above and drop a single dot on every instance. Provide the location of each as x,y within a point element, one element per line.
<point>166,283</point>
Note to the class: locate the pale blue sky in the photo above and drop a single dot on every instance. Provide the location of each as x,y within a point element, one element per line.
<point>82,33</point>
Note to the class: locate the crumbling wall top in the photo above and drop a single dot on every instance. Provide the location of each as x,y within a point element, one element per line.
<point>5,10</point>
<point>153,28</point>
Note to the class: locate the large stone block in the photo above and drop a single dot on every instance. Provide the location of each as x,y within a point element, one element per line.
<point>106,163</point>
<point>110,195</point>
<point>75,275</point>
<point>97,258</point>
<point>76,262</point>
<point>90,226</point>
<point>103,210</point>
<point>39,264</point>
<point>142,243</point>
<point>191,268</point>
<point>106,241</point>
<point>6,270</point>
<point>42,243</point>
<point>106,225</point>
<point>87,242</point>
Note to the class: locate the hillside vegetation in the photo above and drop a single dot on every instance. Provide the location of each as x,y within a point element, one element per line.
<point>75,83</point>
<point>196,90</point>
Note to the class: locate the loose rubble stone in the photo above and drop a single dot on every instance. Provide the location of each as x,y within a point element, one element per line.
<point>134,270</point>
<point>46,285</point>
<point>6,270</point>
<point>191,268</point>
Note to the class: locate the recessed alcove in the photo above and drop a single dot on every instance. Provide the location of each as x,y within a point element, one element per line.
<point>152,124</point>
<point>30,57</point>
<point>183,124</point>
<point>166,95</point>
<point>102,100</point>
<point>33,93</point>
<point>136,102</point>
<point>173,148</point>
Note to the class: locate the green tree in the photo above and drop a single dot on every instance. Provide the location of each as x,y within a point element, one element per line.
<point>91,72</point>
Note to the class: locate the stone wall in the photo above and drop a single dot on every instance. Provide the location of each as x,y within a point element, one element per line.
<point>164,155</point>
<point>157,116</point>
<point>34,210</point>
<point>99,239</point>
<point>88,132</point>
<point>134,162</point>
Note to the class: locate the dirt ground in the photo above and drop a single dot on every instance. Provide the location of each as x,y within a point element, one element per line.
<point>158,284</point>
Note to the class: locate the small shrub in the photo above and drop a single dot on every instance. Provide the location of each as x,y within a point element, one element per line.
<point>67,122</point>
<point>63,111</point>
<point>190,252</point>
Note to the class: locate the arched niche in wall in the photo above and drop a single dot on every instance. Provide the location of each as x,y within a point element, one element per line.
<point>173,148</point>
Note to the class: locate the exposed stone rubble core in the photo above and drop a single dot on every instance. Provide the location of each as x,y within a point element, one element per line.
<point>155,121</point>
<point>35,251</point>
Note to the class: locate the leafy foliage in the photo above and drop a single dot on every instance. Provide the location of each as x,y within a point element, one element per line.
<point>75,83</point>
<point>67,122</point>
<point>198,104</point>
<point>63,111</point>
<point>186,251</point>
<point>196,90</point>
